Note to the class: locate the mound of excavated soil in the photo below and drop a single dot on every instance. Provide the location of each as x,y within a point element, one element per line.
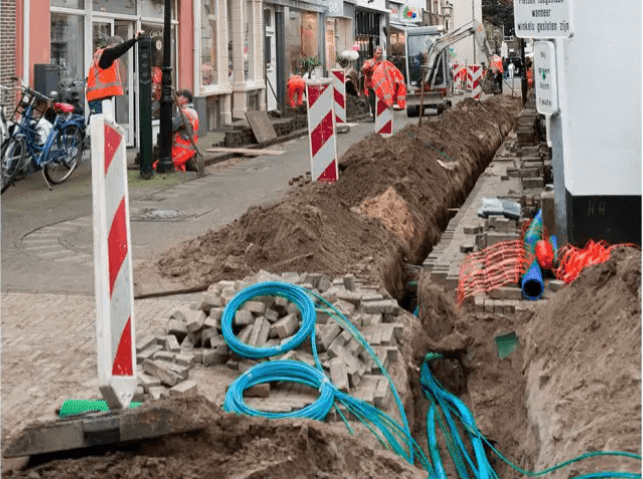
<point>393,212</point>
<point>238,447</point>
<point>317,228</point>
<point>583,367</point>
<point>572,386</point>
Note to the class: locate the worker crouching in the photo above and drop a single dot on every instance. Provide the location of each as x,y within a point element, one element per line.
<point>296,86</point>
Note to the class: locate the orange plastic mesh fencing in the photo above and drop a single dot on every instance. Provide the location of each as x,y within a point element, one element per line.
<point>573,260</point>
<point>491,268</point>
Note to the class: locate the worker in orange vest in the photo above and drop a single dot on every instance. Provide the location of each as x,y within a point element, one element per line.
<point>104,81</point>
<point>296,86</point>
<point>367,69</point>
<point>182,149</point>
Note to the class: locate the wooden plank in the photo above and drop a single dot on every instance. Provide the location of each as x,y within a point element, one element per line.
<point>245,151</point>
<point>261,126</point>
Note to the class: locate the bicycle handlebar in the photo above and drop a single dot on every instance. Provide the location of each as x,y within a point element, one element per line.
<point>31,90</point>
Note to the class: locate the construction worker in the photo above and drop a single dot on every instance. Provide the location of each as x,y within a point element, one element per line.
<point>296,86</point>
<point>182,149</point>
<point>367,69</point>
<point>104,80</point>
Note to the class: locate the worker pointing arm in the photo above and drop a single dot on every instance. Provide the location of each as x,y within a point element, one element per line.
<point>104,80</point>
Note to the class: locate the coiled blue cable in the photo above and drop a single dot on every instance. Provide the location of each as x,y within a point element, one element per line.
<point>282,370</point>
<point>294,294</point>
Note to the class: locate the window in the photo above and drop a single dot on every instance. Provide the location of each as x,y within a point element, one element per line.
<point>330,44</point>
<point>208,43</point>
<point>68,3</point>
<point>110,6</point>
<point>155,30</point>
<point>230,62</point>
<point>67,40</point>
<point>248,66</point>
<point>155,8</point>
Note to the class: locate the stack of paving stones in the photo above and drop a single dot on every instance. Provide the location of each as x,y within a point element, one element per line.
<point>300,180</point>
<point>516,173</point>
<point>194,337</point>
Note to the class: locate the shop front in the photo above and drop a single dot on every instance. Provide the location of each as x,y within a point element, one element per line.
<point>339,30</point>
<point>370,21</point>
<point>80,27</point>
<point>295,44</point>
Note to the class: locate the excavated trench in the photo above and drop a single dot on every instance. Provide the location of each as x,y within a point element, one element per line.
<point>387,211</point>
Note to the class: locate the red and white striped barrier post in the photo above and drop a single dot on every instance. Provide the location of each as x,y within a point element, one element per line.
<point>469,74</point>
<point>383,118</point>
<point>458,76</point>
<point>321,130</point>
<point>116,345</point>
<point>476,78</point>
<point>339,92</point>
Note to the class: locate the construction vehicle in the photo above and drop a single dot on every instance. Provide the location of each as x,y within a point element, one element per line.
<point>422,54</point>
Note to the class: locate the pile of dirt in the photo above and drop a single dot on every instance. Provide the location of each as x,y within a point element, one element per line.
<point>572,386</point>
<point>393,212</point>
<point>317,228</point>
<point>239,447</point>
<point>583,367</point>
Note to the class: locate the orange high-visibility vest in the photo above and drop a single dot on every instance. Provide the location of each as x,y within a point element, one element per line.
<point>103,83</point>
<point>181,142</point>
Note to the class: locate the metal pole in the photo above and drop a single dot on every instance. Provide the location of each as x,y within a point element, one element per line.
<point>145,106</point>
<point>165,158</point>
<point>523,77</point>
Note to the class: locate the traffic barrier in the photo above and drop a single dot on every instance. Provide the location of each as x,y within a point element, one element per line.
<point>339,92</point>
<point>469,76</point>
<point>459,76</point>
<point>383,119</point>
<point>476,78</point>
<point>321,130</point>
<point>115,345</point>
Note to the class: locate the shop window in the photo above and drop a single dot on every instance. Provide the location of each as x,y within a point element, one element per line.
<point>302,39</point>
<point>68,3</point>
<point>155,30</point>
<point>67,40</point>
<point>156,9</point>
<point>208,43</point>
<point>248,66</point>
<point>110,6</point>
<point>230,63</point>
<point>330,44</point>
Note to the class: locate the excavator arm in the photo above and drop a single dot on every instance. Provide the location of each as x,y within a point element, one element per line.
<point>472,28</point>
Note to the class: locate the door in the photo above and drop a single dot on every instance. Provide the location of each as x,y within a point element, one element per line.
<point>102,30</point>
<point>125,104</point>
<point>271,58</point>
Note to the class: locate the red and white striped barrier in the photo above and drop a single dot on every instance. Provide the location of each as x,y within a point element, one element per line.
<point>339,92</point>
<point>469,75</point>
<point>476,79</point>
<point>383,118</point>
<point>115,345</point>
<point>321,130</point>
<point>459,76</point>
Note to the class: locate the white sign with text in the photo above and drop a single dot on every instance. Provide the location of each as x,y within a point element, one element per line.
<point>545,78</point>
<point>543,18</point>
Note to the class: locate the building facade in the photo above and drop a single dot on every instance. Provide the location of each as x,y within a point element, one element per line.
<point>216,49</point>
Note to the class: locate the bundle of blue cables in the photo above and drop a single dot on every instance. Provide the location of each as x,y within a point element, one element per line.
<point>393,435</point>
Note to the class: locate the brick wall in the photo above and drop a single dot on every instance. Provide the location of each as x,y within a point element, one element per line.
<point>8,48</point>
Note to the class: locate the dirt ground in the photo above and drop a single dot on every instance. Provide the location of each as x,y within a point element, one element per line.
<point>571,386</point>
<point>319,228</point>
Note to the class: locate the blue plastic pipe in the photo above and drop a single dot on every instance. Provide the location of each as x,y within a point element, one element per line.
<point>532,282</point>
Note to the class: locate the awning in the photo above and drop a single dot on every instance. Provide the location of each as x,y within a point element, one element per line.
<point>372,8</point>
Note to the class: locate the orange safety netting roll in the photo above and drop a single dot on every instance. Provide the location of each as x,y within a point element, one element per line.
<point>491,268</point>
<point>572,260</point>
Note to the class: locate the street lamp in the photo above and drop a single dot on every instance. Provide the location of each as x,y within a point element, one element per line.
<point>165,164</point>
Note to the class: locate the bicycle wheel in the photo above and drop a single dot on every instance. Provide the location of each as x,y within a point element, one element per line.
<point>65,153</point>
<point>12,154</point>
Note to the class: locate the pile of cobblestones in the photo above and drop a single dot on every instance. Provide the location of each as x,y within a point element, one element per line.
<point>194,338</point>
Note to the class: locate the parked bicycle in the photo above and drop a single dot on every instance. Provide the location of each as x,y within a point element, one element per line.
<point>35,144</point>
<point>5,124</point>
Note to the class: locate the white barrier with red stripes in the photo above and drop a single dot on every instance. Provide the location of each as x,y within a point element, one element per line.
<point>321,130</point>
<point>459,76</point>
<point>339,92</point>
<point>383,118</point>
<point>469,75</point>
<point>115,345</point>
<point>476,79</point>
